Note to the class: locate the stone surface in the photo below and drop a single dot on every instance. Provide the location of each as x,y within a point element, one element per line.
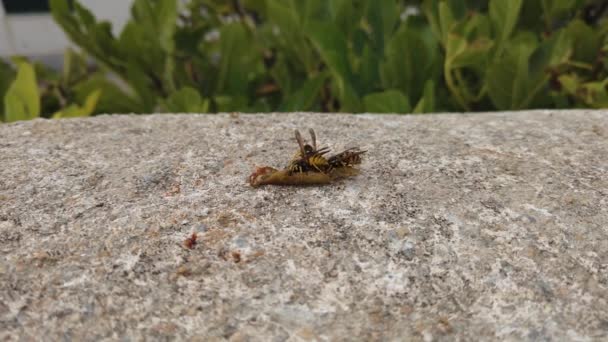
<point>485,226</point>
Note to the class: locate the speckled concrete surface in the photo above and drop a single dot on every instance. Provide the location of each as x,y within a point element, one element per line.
<point>485,226</point>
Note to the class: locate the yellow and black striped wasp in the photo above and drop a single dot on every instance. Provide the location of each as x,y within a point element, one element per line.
<point>310,166</point>
<point>308,158</point>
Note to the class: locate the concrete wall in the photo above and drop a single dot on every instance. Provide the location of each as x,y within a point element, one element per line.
<point>469,227</point>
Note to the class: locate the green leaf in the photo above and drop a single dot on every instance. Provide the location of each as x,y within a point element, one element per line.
<point>238,60</point>
<point>330,43</point>
<point>144,85</point>
<point>348,14</point>
<point>409,62</point>
<point>114,99</point>
<point>158,22</point>
<point>42,71</point>
<point>389,101</point>
<point>22,100</point>
<point>553,11</point>
<point>226,104</point>
<point>427,102</point>
<point>167,24</point>
<point>75,110</point>
<point>507,80</point>
<point>595,94</point>
<point>431,11</point>
<point>284,17</point>
<point>186,100</point>
<point>461,53</point>
<point>382,16</point>
<point>569,83</point>
<point>591,94</point>
<point>167,11</point>
<point>368,73</point>
<point>313,10</point>
<point>304,98</point>
<point>586,41</point>
<point>550,53</point>
<point>7,75</point>
<point>504,16</point>
<point>97,39</point>
<point>531,15</point>
<point>74,67</point>
<point>446,21</point>
<point>443,16</point>
<point>285,32</point>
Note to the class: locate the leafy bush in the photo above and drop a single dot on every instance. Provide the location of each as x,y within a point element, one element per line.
<point>322,55</point>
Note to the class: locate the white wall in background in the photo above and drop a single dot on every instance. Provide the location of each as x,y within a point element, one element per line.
<point>37,35</point>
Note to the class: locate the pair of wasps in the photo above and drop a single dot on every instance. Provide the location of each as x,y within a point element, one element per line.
<point>309,166</point>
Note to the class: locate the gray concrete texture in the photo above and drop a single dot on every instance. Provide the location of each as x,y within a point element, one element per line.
<point>471,227</point>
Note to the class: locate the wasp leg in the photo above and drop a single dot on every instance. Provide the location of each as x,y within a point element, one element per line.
<point>322,151</point>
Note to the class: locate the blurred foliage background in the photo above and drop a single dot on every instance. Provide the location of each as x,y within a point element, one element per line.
<point>319,55</point>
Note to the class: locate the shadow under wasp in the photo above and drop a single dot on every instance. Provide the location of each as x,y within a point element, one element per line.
<point>309,166</point>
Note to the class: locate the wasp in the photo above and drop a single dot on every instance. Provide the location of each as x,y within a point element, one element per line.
<point>309,166</point>
<point>308,158</point>
<point>348,158</point>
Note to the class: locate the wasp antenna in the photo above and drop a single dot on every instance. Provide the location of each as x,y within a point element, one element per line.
<point>300,143</point>
<point>313,136</point>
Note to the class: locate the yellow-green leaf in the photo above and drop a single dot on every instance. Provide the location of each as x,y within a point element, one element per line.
<point>75,110</point>
<point>389,101</point>
<point>22,100</point>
